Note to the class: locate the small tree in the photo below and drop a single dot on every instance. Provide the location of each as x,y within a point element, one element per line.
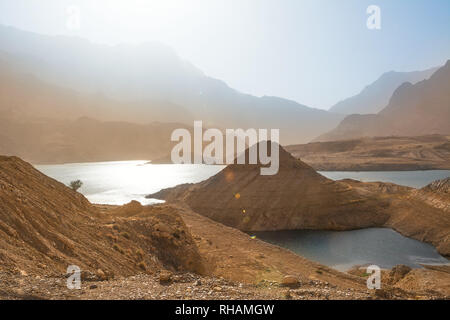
<point>75,185</point>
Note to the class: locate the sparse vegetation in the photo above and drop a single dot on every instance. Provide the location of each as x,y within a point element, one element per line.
<point>75,185</point>
<point>126,235</point>
<point>111,237</point>
<point>142,265</point>
<point>140,254</point>
<point>118,248</point>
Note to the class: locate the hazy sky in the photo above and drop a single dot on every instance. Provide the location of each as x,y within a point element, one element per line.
<point>313,51</point>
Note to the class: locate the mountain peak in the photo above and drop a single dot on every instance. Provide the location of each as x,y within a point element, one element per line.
<point>374,97</point>
<point>297,197</point>
<point>154,72</point>
<point>285,159</point>
<point>414,109</point>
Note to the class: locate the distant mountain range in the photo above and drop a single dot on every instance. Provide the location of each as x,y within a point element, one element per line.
<point>45,123</point>
<point>48,82</point>
<point>413,110</point>
<point>25,95</point>
<point>374,97</point>
<point>44,141</point>
<point>153,72</point>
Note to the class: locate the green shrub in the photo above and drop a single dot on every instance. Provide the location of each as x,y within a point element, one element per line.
<point>75,185</point>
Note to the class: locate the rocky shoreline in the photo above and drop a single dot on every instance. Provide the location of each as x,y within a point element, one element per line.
<point>300,198</point>
<point>431,152</point>
<point>166,251</point>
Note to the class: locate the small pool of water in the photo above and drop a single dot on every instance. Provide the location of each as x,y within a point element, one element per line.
<point>344,249</point>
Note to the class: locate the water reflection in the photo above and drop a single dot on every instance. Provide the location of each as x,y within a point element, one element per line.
<point>119,182</point>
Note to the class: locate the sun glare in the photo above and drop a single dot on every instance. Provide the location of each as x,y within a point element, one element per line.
<point>146,13</point>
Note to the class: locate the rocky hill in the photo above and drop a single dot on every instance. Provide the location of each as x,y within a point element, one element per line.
<point>441,187</point>
<point>436,194</point>
<point>415,213</point>
<point>45,227</point>
<point>295,198</point>
<point>300,198</point>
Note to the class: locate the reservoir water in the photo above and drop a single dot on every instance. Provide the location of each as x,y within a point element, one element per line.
<point>345,249</point>
<point>120,182</point>
<point>415,179</point>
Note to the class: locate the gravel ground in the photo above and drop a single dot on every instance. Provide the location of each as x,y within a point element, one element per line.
<point>148,287</point>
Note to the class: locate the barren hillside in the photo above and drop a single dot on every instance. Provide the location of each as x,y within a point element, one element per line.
<point>300,198</point>
<point>45,227</point>
<point>378,153</point>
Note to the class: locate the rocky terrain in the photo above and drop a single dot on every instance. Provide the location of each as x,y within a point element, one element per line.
<point>300,198</point>
<point>157,252</point>
<point>426,281</point>
<point>45,227</point>
<point>297,197</point>
<point>415,213</point>
<point>189,286</point>
<point>436,194</point>
<point>376,154</point>
<point>134,252</point>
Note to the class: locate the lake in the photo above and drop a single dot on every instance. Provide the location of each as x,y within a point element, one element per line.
<point>345,249</point>
<point>119,182</point>
<point>415,179</point>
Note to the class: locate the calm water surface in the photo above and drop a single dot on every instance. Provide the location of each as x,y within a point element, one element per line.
<point>415,179</point>
<point>119,182</point>
<point>122,181</point>
<point>345,249</point>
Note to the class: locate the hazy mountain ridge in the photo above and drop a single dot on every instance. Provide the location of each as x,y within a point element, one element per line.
<point>46,123</point>
<point>374,97</point>
<point>97,81</point>
<point>24,94</point>
<point>413,110</point>
<point>154,72</point>
<point>84,140</point>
